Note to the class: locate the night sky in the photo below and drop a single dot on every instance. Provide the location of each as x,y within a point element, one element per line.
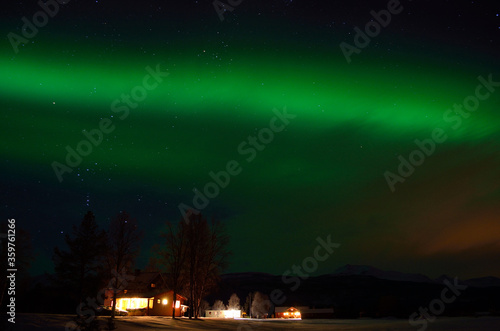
<point>318,169</point>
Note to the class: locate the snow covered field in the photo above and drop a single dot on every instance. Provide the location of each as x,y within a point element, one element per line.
<point>136,323</point>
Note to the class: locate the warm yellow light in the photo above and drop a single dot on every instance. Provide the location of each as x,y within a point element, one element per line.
<point>231,313</point>
<point>297,313</point>
<point>131,303</point>
<point>177,304</point>
<point>286,314</point>
<point>123,303</point>
<point>164,301</point>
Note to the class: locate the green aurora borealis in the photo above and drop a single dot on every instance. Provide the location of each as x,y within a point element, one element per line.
<point>323,175</point>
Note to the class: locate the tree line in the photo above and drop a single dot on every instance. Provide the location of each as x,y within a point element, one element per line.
<point>192,254</point>
<point>257,304</point>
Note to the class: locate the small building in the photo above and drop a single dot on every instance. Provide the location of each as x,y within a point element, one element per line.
<point>303,312</point>
<point>287,312</point>
<point>231,313</point>
<point>147,294</point>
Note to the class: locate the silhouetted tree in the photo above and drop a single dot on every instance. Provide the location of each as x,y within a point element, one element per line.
<point>206,258</point>
<point>122,247</point>
<point>172,256</point>
<point>248,304</point>
<point>204,305</point>
<point>193,253</point>
<point>79,267</point>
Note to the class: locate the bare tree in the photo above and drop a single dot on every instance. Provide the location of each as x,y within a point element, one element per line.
<point>204,305</point>
<point>197,233</point>
<point>123,246</point>
<point>206,257</point>
<point>173,257</point>
<point>194,253</point>
<point>234,302</point>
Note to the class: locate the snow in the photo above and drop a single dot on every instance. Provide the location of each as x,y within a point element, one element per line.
<point>135,323</point>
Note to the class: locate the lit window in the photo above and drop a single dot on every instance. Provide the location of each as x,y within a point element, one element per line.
<point>177,304</point>
<point>159,301</point>
<point>153,285</point>
<point>131,303</point>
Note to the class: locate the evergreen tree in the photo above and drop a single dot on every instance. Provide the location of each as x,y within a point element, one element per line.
<point>80,268</point>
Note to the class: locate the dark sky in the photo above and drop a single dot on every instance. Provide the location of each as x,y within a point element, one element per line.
<point>91,82</point>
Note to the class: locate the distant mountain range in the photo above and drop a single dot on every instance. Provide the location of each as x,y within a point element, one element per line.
<point>364,270</point>
<point>361,291</point>
<point>352,291</point>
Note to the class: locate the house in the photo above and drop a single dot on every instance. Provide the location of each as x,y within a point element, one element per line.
<point>231,313</point>
<point>303,312</point>
<point>159,304</point>
<point>147,294</point>
<point>286,312</point>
